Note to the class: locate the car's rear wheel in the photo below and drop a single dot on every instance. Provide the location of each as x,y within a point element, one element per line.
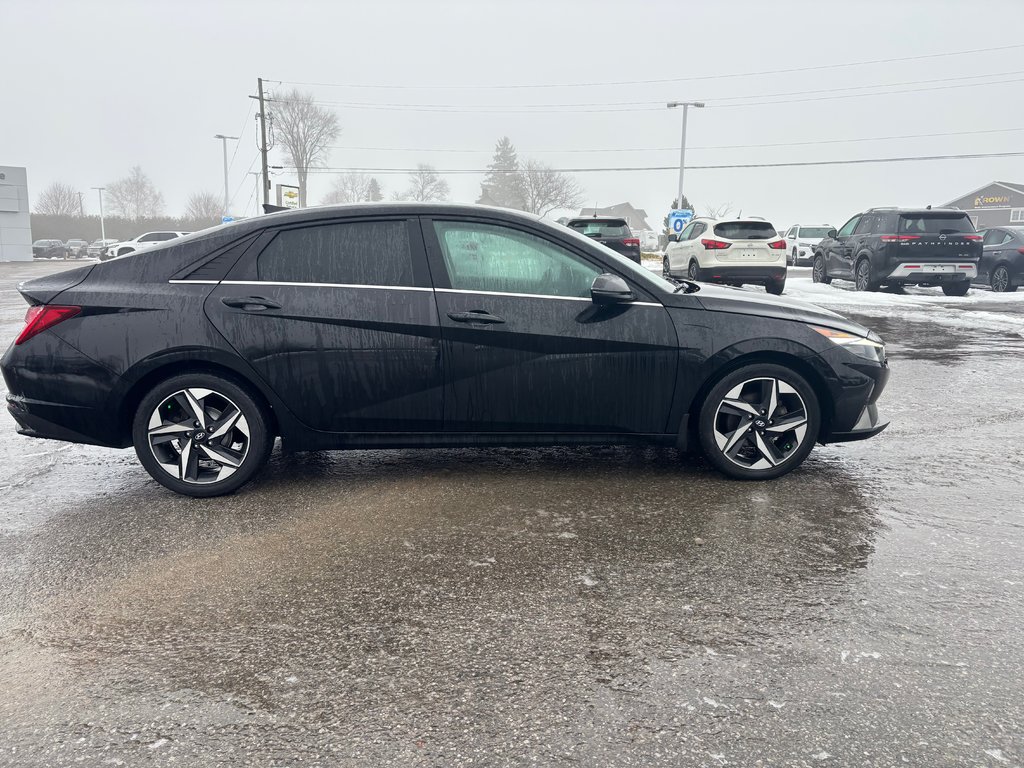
<point>818,273</point>
<point>863,279</point>
<point>693,271</point>
<point>1001,282</point>
<point>201,434</point>
<point>759,422</point>
<point>793,261</point>
<point>959,288</point>
<point>666,269</point>
<point>775,287</point>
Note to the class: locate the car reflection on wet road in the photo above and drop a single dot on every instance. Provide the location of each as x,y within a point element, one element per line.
<point>582,607</point>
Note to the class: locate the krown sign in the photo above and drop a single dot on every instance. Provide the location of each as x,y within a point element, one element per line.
<point>982,201</point>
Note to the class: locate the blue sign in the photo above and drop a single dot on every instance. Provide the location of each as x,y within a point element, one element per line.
<point>226,219</point>
<point>678,219</point>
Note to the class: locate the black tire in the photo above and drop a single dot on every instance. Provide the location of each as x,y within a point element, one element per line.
<point>711,419</point>
<point>864,278</point>
<point>693,271</point>
<point>818,272</point>
<point>959,288</point>
<point>794,257</point>
<point>1001,281</point>
<point>258,441</point>
<point>666,270</point>
<point>775,287</point>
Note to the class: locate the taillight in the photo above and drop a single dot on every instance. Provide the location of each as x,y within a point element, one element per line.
<point>715,245</point>
<point>1020,250</point>
<point>899,238</point>
<point>631,241</point>
<point>41,317</point>
<point>975,238</point>
<point>778,245</point>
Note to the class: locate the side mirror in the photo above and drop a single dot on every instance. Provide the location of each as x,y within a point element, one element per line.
<point>832,233</point>
<point>610,289</point>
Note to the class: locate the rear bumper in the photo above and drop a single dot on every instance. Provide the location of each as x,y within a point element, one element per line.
<point>742,273</point>
<point>933,273</point>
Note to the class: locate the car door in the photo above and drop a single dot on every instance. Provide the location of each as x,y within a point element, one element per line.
<point>838,258</point>
<point>525,348</point>
<point>791,243</point>
<point>993,244</point>
<point>676,251</point>
<point>338,318</point>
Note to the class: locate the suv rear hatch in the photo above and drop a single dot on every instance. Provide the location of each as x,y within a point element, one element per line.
<point>746,241</point>
<point>612,232</point>
<point>934,238</point>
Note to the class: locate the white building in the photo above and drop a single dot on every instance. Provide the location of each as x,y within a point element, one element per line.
<point>15,222</point>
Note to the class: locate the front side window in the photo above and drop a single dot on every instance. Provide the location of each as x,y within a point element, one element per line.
<point>848,227</point>
<point>687,231</point>
<point>353,253</point>
<point>487,257</point>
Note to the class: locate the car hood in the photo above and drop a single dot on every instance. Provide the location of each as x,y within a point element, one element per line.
<point>718,299</point>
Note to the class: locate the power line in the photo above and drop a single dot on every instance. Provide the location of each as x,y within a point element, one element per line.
<point>621,169</point>
<point>240,132</point>
<point>676,148</point>
<point>695,78</point>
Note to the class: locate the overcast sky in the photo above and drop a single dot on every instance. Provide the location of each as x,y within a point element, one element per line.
<point>91,89</point>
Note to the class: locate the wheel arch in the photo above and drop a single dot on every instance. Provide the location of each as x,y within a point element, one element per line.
<point>799,364</point>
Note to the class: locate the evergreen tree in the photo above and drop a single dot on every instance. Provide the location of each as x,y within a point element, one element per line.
<point>503,184</point>
<point>373,193</point>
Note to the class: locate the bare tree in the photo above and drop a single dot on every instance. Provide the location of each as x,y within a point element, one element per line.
<point>545,189</point>
<point>305,131</point>
<point>425,185</point>
<point>204,206</point>
<point>134,197</point>
<point>718,211</point>
<point>349,188</point>
<point>59,200</point>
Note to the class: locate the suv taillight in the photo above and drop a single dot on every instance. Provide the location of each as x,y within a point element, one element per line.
<point>41,317</point>
<point>778,245</point>
<point>899,238</point>
<point>974,238</point>
<point>715,245</point>
<point>631,241</point>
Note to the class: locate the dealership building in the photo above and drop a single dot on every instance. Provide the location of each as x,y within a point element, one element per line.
<point>994,205</point>
<point>15,219</point>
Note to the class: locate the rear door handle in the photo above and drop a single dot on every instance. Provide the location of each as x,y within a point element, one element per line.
<point>250,303</point>
<point>476,316</point>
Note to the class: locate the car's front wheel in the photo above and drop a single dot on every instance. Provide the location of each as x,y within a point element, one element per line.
<point>959,288</point>
<point>759,422</point>
<point>666,267</point>
<point>201,434</point>
<point>818,273</point>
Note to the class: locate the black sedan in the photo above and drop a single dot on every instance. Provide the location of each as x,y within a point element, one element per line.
<point>1002,259</point>
<point>424,325</point>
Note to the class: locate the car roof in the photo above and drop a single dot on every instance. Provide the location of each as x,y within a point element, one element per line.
<point>894,209</point>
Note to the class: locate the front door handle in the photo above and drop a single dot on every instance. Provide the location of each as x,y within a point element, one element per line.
<point>476,316</point>
<point>250,303</point>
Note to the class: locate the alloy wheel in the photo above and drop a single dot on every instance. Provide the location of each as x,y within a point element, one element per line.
<point>692,272</point>
<point>760,423</point>
<point>863,275</point>
<point>818,275</point>
<point>1000,279</point>
<point>666,270</point>
<point>198,435</point>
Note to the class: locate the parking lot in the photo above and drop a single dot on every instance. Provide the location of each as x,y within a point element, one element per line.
<point>596,606</point>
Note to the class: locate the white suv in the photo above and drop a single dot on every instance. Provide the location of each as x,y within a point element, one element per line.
<point>138,243</point>
<point>800,242</point>
<point>731,251</point>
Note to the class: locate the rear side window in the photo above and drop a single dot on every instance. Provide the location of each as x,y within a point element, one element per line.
<point>354,253</point>
<point>935,224</point>
<point>601,228</point>
<point>746,230</point>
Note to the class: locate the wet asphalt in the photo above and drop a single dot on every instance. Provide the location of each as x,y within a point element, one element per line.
<point>585,607</point>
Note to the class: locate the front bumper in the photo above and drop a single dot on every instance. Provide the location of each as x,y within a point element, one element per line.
<point>742,273</point>
<point>868,425</point>
<point>855,386</point>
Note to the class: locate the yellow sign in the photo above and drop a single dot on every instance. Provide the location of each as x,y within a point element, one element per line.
<point>982,202</point>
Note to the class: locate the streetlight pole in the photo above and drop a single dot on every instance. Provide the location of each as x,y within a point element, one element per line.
<point>682,142</point>
<point>103,231</point>
<point>224,144</point>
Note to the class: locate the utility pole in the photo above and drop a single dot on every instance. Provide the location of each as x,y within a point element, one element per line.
<point>263,142</point>
<point>103,231</point>
<point>682,143</point>
<point>81,206</point>
<point>224,143</point>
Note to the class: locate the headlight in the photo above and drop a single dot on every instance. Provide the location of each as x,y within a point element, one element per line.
<point>870,347</point>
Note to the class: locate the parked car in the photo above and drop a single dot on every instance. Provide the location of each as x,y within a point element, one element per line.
<point>902,246</point>
<point>801,240</point>
<point>612,232</point>
<point>730,251</point>
<point>142,241</point>
<point>97,246</point>
<point>1002,259</point>
<point>48,249</point>
<point>421,325</point>
<point>76,248</point>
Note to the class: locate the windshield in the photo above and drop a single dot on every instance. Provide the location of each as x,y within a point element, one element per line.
<point>814,232</point>
<point>601,227</point>
<point>746,230</point>
<point>936,224</point>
